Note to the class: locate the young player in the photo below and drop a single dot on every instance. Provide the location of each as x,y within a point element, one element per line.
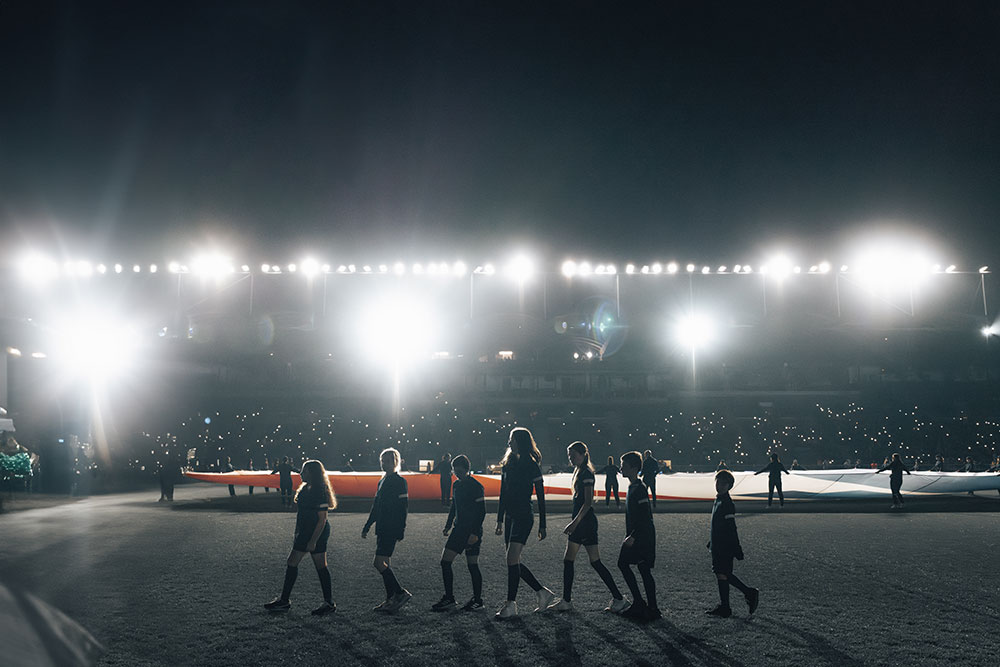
<point>468,509</point>
<point>639,547</point>
<point>389,516</point>
<point>314,499</point>
<point>284,472</point>
<point>896,470</point>
<point>774,470</point>
<point>516,517</point>
<point>582,531</point>
<point>610,473</point>
<point>725,546</point>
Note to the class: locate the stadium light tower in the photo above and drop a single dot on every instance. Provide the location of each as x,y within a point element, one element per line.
<point>694,332</point>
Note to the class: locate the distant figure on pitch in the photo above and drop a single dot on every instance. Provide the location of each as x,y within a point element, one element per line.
<point>896,470</point>
<point>650,469</point>
<point>468,509</point>
<point>389,516</point>
<point>250,466</point>
<point>639,546</point>
<point>284,472</point>
<point>229,468</point>
<point>938,464</point>
<point>795,465</point>
<point>267,466</point>
<point>443,469</point>
<point>774,470</point>
<point>610,473</point>
<point>969,466</point>
<point>516,516</point>
<point>315,498</point>
<point>724,544</point>
<point>582,531</point>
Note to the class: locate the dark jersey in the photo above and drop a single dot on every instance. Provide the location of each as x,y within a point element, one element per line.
<point>610,473</point>
<point>650,467</point>
<point>638,517</point>
<point>724,539</point>
<point>390,507</point>
<point>284,473</point>
<point>468,506</point>
<point>311,501</point>
<point>773,469</point>
<point>895,469</point>
<point>443,468</point>
<point>516,485</point>
<point>583,487</point>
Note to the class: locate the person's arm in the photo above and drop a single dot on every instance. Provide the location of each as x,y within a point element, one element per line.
<point>643,522</point>
<point>451,511</point>
<point>540,493</point>
<point>588,500</point>
<point>501,509</point>
<point>880,470</point>
<point>404,505</point>
<point>761,471</point>
<point>320,525</point>
<point>480,504</point>
<point>371,515</point>
<point>785,469</point>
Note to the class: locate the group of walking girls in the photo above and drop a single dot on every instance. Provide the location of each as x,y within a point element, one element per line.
<point>521,477</point>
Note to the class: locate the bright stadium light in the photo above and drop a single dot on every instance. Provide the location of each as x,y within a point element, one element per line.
<point>779,267</point>
<point>95,347</point>
<point>630,269</point>
<point>174,267</point>
<point>991,330</point>
<point>152,268</point>
<point>824,267</point>
<point>37,270</point>
<point>310,267</point>
<point>520,268</point>
<point>14,352</point>
<point>705,270</point>
<point>656,268</point>
<point>397,331</point>
<point>569,268</point>
<point>212,265</point>
<point>951,269</point>
<point>672,267</point>
<point>690,268</point>
<point>584,269</point>
<point>984,269</point>
<point>118,268</point>
<point>611,270</point>
<point>102,269</point>
<point>459,269</point>
<point>694,331</point>
<point>399,268</point>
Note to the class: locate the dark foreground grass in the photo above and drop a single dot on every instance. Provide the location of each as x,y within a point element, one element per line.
<point>184,584</point>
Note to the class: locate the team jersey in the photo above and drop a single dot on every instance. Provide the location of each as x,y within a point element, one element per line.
<point>284,473</point>
<point>610,473</point>
<point>774,469</point>
<point>650,468</point>
<point>638,516</point>
<point>583,486</point>
<point>390,507</point>
<point>311,501</point>
<point>724,539</point>
<point>516,485</point>
<point>895,469</point>
<point>468,506</point>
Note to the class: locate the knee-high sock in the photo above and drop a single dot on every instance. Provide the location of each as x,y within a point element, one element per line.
<point>449,578</point>
<point>529,578</point>
<point>391,584</point>
<point>325,583</point>
<point>735,581</point>
<point>291,572</point>
<point>477,580</point>
<point>606,577</point>
<point>568,571</point>
<point>649,584</point>
<point>633,585</point>
<point>513,580</point>
<point>724,592</point>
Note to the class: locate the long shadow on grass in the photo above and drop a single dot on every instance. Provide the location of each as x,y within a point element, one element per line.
<point>818,645</point>
<point>674,643</point>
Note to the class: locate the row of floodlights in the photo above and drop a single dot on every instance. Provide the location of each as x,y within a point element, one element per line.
<point>40,269</point>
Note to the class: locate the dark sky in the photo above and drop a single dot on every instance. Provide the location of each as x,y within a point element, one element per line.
<point>633,130</point>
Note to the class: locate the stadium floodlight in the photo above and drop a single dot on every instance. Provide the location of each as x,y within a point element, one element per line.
<point>584,269</point>
<point>843,268</point>
<point>813,269</point>
<point>780,267</point>
<point>433,268</point>
<point>292,268</point>
<point>935,268</point>
<point>824,267</point>
<point>152,268</point>
<point>656,268</point>
<point>211,265</point>
<point>118,268</point>
<point>672,267</point>
<point>418,269</point>
<point>738,268</point>
<point>459,268</point>
<point>399,268</point>
<point>600,269</point>
<point>520,268</point>
<point>38,355</point>
<point>630,269</point>
<point>309,267</point>
<point>984,269</point>
<point>645,269</point>
<point>690,268</point>
<point>951,269</point>
<point>326,268</point>
<point>991,330</point>
<point>14,352</point>
<point>569,268</point>
<point>722,269</point>
<point>244,268</point>
<point>174,267</point>
<point>705,270</point>
<point>694,331</point>
<point>102,269</point>
<point>397,331</point>
<point>37,270</point>
<point>611,270</point>
<point>95,347</point>
<point>84,268</point>
<point>265,268</point>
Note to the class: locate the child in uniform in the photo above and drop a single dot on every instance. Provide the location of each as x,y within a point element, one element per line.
<point>639,547</point>
<point>389,516</point>
<point>725,546</point>
<point>468,509</point>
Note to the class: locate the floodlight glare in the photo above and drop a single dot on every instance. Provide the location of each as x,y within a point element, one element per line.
<point>397,331</point>
<point>520,268</point>
<point>690,268</point>
<point>951,269</point>
<point>630,269</point>
<point>824,267</point>
<point>399,268</point>
<point>102,269</point>
<point>459,268</point>
<point>152,268</point>
<point>96,347</point>
<point>14,352</point>
<point>612,270</point>
<point>672,267</point>
<point>292,268</point>
<point>991,330</point>
<point>600,270</point>
<point>245,268</point>
<point>694,332</point>
<point>118,268</point>
<point>984,269</point>
<point>211,265</point>
<point>418,269</point>
<point>38,355</point>
<point>173,267</point>
<point>705,270</point>
<point>310,267</point>
<point>38,270</point>
<point>656,268</point>
<point>584,269</point>
<point>779,267</point>
<point>722,269</point>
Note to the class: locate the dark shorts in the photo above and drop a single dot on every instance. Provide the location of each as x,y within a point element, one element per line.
<point>722,563</point>
<point>302,540</point>
<point>586,532</point>
<point>384,545</point>
<point>517,528</point>
<point>458,542</point>
<point>637,555</point>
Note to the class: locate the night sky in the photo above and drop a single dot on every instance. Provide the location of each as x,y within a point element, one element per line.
<point>626,130</point>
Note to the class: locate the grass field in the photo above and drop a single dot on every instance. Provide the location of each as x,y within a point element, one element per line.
<point>846,584</point>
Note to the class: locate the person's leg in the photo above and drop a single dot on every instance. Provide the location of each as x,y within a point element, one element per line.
<point>723,590</point>
<point>629,576</point>
<point>513,569</point>
<point>251,490</point>
<point>770,493</point>
<point>384,566</point>
<point>569,561</point>
<point>291,572</point>
<point>735,581</point>
<point>648,583</point>
<point>447,575</point>
<point>594,554</point>
<point>652,491</point>
<point>477,576</point>
<point>607,494</point>
<point>618,501</point>
<point>781,496</point>
<point>232,490</point>
<point>319,560</point>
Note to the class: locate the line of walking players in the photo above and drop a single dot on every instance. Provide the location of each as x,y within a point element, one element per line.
<point>521,477</point>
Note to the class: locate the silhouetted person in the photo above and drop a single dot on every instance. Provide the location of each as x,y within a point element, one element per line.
<point>610,473</point>
<point>795,465</point>
<point>721,466</point>
<point>284,472</point>
<point>724,544</point>
<point>774,470</point>
<point>650,469</point>
<point>896,470</point>
<point>229,468</point>
<point>267,466</point>
<point>250,467</point>
<point>443,469</point>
